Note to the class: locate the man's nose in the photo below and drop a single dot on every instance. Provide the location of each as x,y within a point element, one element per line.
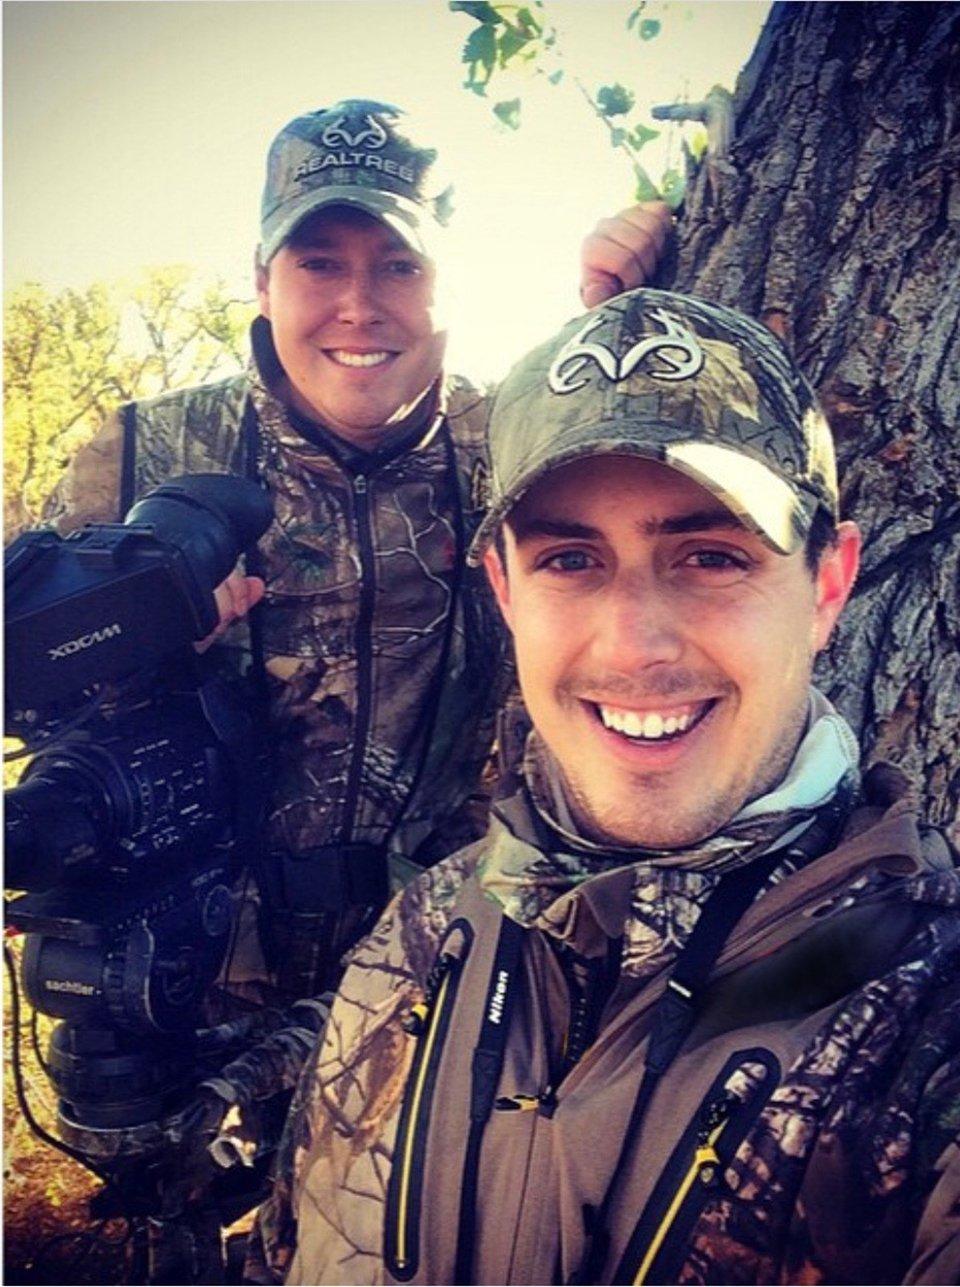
<point>639,627</point>
<point>358,301</point>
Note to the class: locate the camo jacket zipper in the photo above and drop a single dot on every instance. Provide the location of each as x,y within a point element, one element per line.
<point>694,1172</point>
<point>429,1023</point>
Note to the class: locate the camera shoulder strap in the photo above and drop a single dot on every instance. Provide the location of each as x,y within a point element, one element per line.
<point>253,560</point>
<point>128,459</point>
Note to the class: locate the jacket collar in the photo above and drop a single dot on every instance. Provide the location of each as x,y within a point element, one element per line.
<point>585,908</point>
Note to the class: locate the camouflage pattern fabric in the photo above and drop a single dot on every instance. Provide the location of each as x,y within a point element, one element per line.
<point>384,655</point>
<point>837,1002</point>
<point>676,379</point>
<point>316,583</point>
<point>363,153</point>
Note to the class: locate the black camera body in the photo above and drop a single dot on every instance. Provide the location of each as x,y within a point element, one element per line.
<point>112,599</point>
<point>145,791</point>
<point>79,609</point>
<point>128,835</point>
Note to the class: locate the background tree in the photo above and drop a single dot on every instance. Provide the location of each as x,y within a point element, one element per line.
<point>835,219</point>
<point>71,356</point>
<point>829,208</point>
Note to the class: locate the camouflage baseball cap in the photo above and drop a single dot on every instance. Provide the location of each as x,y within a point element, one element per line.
<point>359,153</point>
<point>674,379</point>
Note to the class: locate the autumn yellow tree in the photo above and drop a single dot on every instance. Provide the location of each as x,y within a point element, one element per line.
<point>72,355</point>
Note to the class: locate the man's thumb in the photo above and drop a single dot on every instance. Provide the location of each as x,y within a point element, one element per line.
<point>595,287</point>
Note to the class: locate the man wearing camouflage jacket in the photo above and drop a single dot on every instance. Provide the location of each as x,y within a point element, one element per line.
<point>690,1013</point>
<point>383,658</point>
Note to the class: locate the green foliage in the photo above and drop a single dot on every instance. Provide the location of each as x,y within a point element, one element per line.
<point>513,42</point>
<point>481,12</point>
<point>672,187</point>
<point>644,188</point>
<point>508,112</point>
<point>614,100</point>
<point>512,38</point>
<point>641,135</point>
<point>480,54</point>
<point>645,29</point>
<point>507,34</point>
<point>71,356</point>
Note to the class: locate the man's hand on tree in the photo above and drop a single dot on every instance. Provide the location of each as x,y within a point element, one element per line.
<point>624,251</point>
<point>234,598</point>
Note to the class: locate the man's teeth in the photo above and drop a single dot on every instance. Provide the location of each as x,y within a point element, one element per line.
<point>346,358</point>
<point>651,726</point>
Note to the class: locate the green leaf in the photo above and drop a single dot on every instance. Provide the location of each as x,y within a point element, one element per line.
<point>510,44</point>
<point>634,15</point>
<point>480,50</point>
<point>645,189</point>
<point>478,9</point>
<point>614,100</point>
<point>528,22</point>
<point>672,187</point>
<point>649,28</point>
<point>556,77</point>
<point>641,135</point>
<point>618,137</point>
<point>508,112</point>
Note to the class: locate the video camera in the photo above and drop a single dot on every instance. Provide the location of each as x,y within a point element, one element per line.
<point>143,796</point>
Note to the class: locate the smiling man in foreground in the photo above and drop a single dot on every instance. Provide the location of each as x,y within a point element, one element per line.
<point>687,1014</point>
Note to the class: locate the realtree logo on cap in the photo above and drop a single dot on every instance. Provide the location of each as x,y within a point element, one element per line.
<point>344,142</point>
<point>577,353</point>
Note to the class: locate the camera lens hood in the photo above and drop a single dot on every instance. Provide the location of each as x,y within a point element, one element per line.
<point>210,518</point>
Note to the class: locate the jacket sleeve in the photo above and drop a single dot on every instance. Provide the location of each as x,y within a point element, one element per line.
<point>89,492</point>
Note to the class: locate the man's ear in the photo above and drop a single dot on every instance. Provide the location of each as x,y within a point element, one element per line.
<point>497,576</point>
<point>261,278</point>
<point>834,581</point>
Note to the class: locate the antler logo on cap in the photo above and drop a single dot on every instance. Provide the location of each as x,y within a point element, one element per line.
<point>372,136</point>
<point>677,350</point>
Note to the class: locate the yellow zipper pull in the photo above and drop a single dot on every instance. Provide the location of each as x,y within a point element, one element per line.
<point>415,1020</point>
<point>516,1103</point>
<point>705,1162</point>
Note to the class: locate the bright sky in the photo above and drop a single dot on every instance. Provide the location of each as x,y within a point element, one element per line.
<point>136,133</point>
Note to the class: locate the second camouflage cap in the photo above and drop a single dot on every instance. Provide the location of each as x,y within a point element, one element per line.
<point>361,153</point>
<point>671,378</point>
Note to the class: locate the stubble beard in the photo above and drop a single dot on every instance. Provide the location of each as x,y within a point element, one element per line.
<point>644,823</point>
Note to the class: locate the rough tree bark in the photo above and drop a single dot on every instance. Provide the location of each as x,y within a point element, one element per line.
<point>836,220</point>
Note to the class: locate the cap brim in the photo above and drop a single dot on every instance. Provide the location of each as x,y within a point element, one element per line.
<point>406,218</point>
<point>779,514</point>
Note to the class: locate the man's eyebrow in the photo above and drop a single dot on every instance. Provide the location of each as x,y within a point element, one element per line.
<point>531,528</point>
<point>312,241</point>
<point>702,520</point>
<point>327,241</point>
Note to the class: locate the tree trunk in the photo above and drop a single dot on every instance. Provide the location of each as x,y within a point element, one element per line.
<point>835,219</point>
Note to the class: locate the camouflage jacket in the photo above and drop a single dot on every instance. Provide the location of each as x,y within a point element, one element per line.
<point>383,652</point>
<point>807,1131</point>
